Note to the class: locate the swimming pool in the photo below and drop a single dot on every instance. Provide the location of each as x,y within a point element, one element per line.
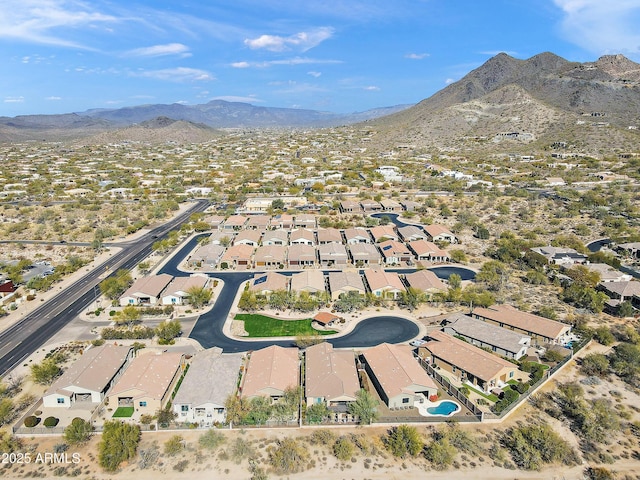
<point>444,408</point>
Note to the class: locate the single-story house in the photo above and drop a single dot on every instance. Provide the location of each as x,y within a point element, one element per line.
<point>395,252</point>
<point>410,205</point>
<point>146,290</point>
<point>397,376</point>
<point>499,340</point>
<point>305,220</point>
<point>425,281</point>
<point>560,255</point>
<point>212,377</point>
<point>148,382</point>
<point>270,371</point>
<point>209,255</point>
<point>275,237</point>
<point>357,235</point>
<point>364,254</point>
<point>350,206</point>
<point>537,327</point>
<point>237,256</point>
<point>90,377</point>
<point>389,205</point>
<point>369,205</point>
<point>302,236</point>
<point>221,238</point>
<point>270,256</point>
<point>214,221</point>
<point>410,233</point>
<point>177,292</point>
<point>440,233</point>
<point>234,222</point>
<point>283,221</point>
<point>623,291</point>
<point>428,251</point>
<point>343,282</point>
<point>248,237</point>
<point>331,377</point>
<point>258,222</point>
<point>300,255</point>
<point>381,233</point>
<point>267,283</point>
<point>311,281</point>
<point>467,362</point>
<point>329,235</point>
<point>332,254</point>
<point>608,273</point>
<point>384,284</point>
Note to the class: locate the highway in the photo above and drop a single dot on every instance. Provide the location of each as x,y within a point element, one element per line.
<point>36,328</point>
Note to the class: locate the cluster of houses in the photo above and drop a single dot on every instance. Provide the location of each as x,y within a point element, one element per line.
<point>618,286</point>
<point>260,241</point>
<point>380,283</point>
<point>147,382</point>
<point>162,289</point>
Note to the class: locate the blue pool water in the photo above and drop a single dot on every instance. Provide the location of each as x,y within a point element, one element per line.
<point>447,407</point>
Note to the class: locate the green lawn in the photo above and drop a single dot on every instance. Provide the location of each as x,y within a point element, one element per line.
<point>123,412</point>
<point>259,326</point>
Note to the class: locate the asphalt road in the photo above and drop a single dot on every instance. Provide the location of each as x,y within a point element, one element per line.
<point>36,328</point>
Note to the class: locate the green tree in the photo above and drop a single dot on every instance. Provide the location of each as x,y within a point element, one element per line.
<point>211,439</point>
<point>625,310</point>
<point>349,302</point>
<point>236,408</point>
<point>119,443</point>
<point>277,204</point>
<point>129,315</point>
<point>317,413</point>
<point>248,301</point>
<point>167,331</point>
<point>494,274</point>
<point>115,285</point>
<point>78,432</point>
<point>199,296</point>
<point>440,453</point>
<point>404,440</point>
<point>455,281</point>
<point>365,407</point>
<point>165,416</point>
<point>344,449</point>
<point>46,371</point>
<point>458,255</point>
<point>411,298</point>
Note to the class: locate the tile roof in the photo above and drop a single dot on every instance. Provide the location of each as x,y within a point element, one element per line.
<point>275,368</point>
<point>330,373</point>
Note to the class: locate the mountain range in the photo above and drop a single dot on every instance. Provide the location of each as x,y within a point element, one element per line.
<point>538,101</point>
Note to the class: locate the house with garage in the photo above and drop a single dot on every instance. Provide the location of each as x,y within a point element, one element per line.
<point>177,292</point>
<point>440,233</point>
<point>608,273</point>
<point>270,372</point>
<point>234,223</point>
<point>357,235</point>
<point>501,341</point>
<point>248,237</point>
<point>208,255</point>
<point>560,255</point>
<point>341,283</point>
<point>237,256</point>
<point>88,380</point>
<point>467,362</point>
<point>302,255</point>
<point>350,206</point>
<point>395,253</point>
<point>270,256</point>
<point>214,221</point>
<point>391,206</point>
<point>146,290</point>
<point>284,221</point>
<point>258,222</point>
<point>211,379</point>
<point>369,206</point>
<point>148,382</point>
<point>331,377</point>
<point>305,220</point>
<point>397,376</point>
<point>540,329</point>
<point>364,254</point>
<point>384,284</point>
<point>311,281</point>
<point>332,255</point>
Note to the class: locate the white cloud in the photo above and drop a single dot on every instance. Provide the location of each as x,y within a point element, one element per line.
<point>416,56</point>
<point>449,81</point>
<point>14,99</point>
<point>301,41</point>
<point>161,50</point>
<point>241,65</point>
<point>371,88</point>
<point>314,74</point>
<point>53,99</point>
<point>602,27</point>
<point>179,74</point>
<point>37,21</point>
<point>286,61</point>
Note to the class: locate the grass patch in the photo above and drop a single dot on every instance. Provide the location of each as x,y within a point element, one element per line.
<point>123,412</point>
<point>489,396</point>
<point>260,326</point>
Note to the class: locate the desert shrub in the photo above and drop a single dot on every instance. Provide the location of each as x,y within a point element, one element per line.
<point>595,364</point>
<point>174,445</point>
<point>288,456</point>
<point>242,449</point>
<point>532,446</point>
<point>211,439</point>
<point>78,432</point>
<point>440,453</point>
<point>31,421</point>
<point>343,449</point>
<point>403,440</point>
<point>119,443</point>
<point>322,437</point>
<point>50,422</point>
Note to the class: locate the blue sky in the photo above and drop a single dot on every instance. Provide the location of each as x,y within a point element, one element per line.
<point>335,55</point>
